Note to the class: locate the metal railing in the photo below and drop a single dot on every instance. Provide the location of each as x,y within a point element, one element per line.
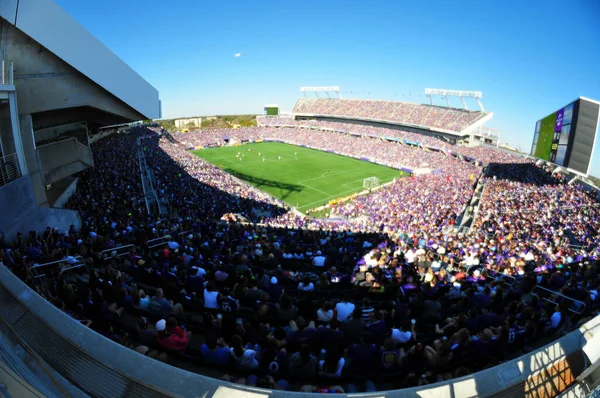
<point>499,276</point>
<point>7,73</point>
<point>551,296</point>
<point>158,242</point>
<point>119,251</point>
<point>9,168</point>
<point>66,264</point>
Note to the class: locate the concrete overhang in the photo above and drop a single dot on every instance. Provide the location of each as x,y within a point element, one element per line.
<point>55,55</point>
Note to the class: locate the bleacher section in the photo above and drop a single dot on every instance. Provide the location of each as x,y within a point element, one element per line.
<point>429,116</point>
<point>299,304</point>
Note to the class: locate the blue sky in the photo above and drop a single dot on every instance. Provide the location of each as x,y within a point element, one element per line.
<point>528,58</point>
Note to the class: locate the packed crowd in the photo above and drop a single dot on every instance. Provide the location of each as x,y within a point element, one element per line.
<point>391,297</point>
<point>480,153</point>
<point>199,189</point>
<point>390,153</point>
<point>452,119</point>
<point>534,215</point>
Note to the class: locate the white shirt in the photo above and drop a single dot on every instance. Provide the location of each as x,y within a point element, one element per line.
<point>210,299</point>
<point>308,288</point>
<point>529,256</point>
<point>344,310</point>
<point>319,261</point>
<point>400,337</point>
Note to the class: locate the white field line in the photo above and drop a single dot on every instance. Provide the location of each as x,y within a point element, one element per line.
<point>340,194</point>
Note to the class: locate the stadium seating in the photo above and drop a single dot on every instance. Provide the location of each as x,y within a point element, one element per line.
<point>483,154</point>
<point>312,302</point>
<point>452,119</point>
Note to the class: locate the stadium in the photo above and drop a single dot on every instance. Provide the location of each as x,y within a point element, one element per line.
<point>368,248</point>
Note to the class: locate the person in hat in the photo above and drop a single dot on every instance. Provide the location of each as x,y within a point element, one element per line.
<point>171,341</point>
<point>274,289</point>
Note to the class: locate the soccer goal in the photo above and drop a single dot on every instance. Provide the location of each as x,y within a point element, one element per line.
<point>370,182</point>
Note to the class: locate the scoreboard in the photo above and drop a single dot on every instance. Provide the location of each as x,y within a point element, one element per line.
<point>271,110</point>
<point>567,137</point>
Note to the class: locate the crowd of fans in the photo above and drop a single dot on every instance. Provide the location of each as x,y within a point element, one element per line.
<point>480,153</point>
<point>452,119</point>
<point>392,296</point>
<point>389,153</point>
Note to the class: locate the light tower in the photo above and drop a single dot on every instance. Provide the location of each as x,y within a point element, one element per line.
<point>324,89</point>
<point>429,92</point>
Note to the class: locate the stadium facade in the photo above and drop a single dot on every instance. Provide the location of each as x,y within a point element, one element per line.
<point>58,84</point>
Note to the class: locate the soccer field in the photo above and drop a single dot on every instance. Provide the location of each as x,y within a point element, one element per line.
<point>303,178</point>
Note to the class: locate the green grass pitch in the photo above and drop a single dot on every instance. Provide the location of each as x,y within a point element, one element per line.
<point>302,177</point>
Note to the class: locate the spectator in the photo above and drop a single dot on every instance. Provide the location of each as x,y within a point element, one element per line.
<point>306,285</point>
<point>211,296</point>
<point>169,340</point>
<point>344,308</point>
<point>319,260</point>
<point>303,365</point>
<point>215,352</point>
<point>245,358</point>
<point>333,363</point>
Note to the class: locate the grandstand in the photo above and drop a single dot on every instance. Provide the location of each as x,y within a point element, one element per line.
<point>404,239</point>
<point>477,275</point>
<point>453,125</point>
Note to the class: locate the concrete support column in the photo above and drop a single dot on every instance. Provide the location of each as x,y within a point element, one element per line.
<point>14,119</point>
<point>7,145</point>
<point>37,182</point>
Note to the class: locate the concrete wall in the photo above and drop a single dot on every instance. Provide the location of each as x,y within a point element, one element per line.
<point>45,82</point>
<point>16,201</point>
<point>19,211</point>
<point>35,173</point>
<point>101,135</point>
<point>49,25</point>
<point>70,189</point>
<point>7,142</point>
<point>57,133</point>
<point>62,159</point>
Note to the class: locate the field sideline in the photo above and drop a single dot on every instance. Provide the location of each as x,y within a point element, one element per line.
<point>302,177</point>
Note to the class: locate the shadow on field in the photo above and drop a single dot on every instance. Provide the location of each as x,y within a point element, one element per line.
<point>263,182</point>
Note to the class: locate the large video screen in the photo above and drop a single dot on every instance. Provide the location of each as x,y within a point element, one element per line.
<point>271,111</point>
<point>567,137</point>
<point>551,137</point>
